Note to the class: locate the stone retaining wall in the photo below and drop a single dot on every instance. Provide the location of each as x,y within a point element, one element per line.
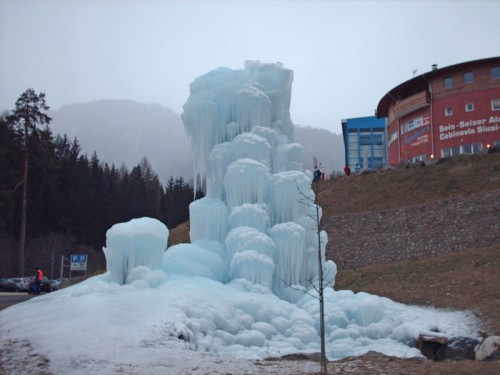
<point>389,235</point>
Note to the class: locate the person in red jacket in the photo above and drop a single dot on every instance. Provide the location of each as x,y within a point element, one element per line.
<point>38,281</point>
<point>347,170</point>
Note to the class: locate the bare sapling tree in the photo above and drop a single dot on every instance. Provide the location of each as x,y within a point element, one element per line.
<point>322,273</point>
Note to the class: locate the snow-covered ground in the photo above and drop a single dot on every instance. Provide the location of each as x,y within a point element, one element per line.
<point>167,324</point>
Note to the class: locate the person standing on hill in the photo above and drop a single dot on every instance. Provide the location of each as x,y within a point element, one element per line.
<point>347,170</point>
<point>316,174</point>
<point>356,168</point>
<point>322,171</point>
<point>37,282</point>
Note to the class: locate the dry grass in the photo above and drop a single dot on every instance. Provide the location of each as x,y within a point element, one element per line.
<point>179,234</point>
<point>399,187</point>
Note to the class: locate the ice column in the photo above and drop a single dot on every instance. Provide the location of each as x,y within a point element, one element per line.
<point>220,157</point>
<point>253,146</point>
<point>277,83</point>
<point>253,107</point>
<point>208,110</point>
<point>250,215</point>
<point>250,255</point>
<point>290,241</point>
<point>246,181</point>
<point>224,103</point>
<point>208,220</point>
<point>290,196</point>
<point>139,242</point>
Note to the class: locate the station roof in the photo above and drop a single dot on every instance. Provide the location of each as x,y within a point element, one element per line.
<point>421,82</point>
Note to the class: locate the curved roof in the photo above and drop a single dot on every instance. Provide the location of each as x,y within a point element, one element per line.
<point>421,82</point>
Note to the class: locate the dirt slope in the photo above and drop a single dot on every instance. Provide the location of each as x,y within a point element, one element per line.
<point>402,186</point>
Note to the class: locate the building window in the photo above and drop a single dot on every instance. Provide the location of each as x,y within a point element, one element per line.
<point>448,82</point>
<point>468,77</point>
<point>377,162</point>
<point>469,107</point>
<point>495,73</point>
<point>416,159</point>
<point>451,151</point>
<point>495,104</point>
<point>364,140</point>
<point>448,111</point>
<point>477,148</point>
<point>378,139</point>
<point>472,148</point>
<point>445,152</point>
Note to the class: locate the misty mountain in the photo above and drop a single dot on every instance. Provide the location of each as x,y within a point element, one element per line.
<point>326,146</point>
<point>124,131</point>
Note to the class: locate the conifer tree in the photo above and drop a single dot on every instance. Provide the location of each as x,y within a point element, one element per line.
<point>29,114</point>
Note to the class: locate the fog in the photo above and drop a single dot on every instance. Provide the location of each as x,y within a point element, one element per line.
<point>124,131</point>
<point>345,54</point>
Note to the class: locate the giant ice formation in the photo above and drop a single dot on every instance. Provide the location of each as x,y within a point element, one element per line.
<point>259,202</point>
<point>246,285</point>
<point>259,205</point>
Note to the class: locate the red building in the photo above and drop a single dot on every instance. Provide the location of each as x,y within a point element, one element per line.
<point>445,112</point>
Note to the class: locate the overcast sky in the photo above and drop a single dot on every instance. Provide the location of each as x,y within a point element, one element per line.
<point>345,54</point>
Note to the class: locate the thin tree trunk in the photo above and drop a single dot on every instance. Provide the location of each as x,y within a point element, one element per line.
<point>324,369</point>
<point>22,235</point>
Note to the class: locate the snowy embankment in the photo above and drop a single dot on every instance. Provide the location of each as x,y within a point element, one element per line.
<point>169,324</point>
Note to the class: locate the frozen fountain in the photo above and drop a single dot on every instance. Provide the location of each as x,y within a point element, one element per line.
<point>259,202</point>
<point>247,284</point>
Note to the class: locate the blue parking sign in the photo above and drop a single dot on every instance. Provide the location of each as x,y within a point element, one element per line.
<point>78,262</point>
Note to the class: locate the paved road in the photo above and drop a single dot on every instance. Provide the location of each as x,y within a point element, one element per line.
<point>9,298</point>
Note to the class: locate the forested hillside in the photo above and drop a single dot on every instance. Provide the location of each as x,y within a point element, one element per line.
<point>73,199</point>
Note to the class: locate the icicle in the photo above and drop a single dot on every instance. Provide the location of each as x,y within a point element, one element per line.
<point>289,239</point>
<point>208,220</point>
<point>246,181</point>
<point>290,196</point>
<point>250,215</point>
<point>221,156</point>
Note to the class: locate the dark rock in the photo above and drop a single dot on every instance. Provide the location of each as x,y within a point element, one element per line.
<point>439,347</point>
<point>303,357</point>
<point>432,347</point>
<point>461,348</point>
